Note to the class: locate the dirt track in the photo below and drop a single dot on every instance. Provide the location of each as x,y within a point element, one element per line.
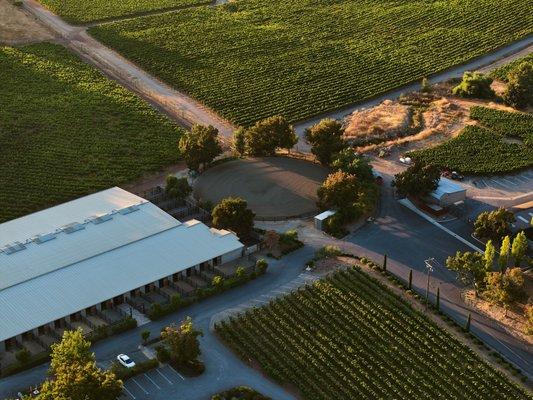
<point>180,107</point>
<point>273,186</point>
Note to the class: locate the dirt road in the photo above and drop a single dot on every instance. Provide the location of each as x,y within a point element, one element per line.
<point>178,106</point>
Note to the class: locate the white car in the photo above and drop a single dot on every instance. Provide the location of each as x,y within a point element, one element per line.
<point>125,361</point>
<point>406,160</point>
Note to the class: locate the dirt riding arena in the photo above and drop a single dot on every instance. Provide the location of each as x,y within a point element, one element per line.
<point>275,187</point>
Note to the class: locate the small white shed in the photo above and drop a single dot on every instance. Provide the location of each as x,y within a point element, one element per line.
<point>447,193</point>
<point>320,218</point>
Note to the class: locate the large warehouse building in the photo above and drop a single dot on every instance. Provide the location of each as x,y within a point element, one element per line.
<point>78,256</point>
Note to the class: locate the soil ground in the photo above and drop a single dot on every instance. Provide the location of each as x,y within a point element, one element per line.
<point>17,27</point>
<point>275,187</point>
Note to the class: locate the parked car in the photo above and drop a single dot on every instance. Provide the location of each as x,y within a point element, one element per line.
<point>406,160</point>
<point>125,361</point>
<point>453,175</point>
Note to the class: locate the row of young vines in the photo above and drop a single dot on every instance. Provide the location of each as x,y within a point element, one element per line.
<point>349,337</point>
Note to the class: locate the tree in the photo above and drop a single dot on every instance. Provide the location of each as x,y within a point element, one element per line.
<point>519,248</point>
<point>489,254</point>
<point>470,268</point>
<point>233,213</point>
<point>267,135</point>
<point>418,180</point>
<point>75,374</point>
<point>350,162</point>
<point>271,239</point>
<point>425,86</point>
<point>200,146</point>
<point>504,288</point>
<point>240,273</point>
<point>182,342</point>
<point>474,84</point>
<point>239,142</point>
<point>261,265</point>
<point>177,188</point>
<point>519,93</point>
<point>325,139</point>
<point>145,335</point>
<point>505,249</point>
<point>493,225</point>
<point>346,194</point>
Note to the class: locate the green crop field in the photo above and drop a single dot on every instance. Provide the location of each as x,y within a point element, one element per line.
<point>501,142</point>
<point>83,11</point>
<point>300,58</point>
<point>502,72</point>
<point>348,337</point>
<point>66,130</point>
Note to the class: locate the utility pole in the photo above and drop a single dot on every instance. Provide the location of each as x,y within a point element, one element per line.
<point>429,267</point>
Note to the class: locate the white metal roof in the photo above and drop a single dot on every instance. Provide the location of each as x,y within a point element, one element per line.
<point>57,277</point>
<point>446,186</point>
<point>325,215</point>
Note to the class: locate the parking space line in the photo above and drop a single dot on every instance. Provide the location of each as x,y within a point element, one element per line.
<point>128,392</point>
<point>164,377</point>
<point>138,384</point>
<point>501,184</point>
<point>522,178</point>
<point>523,219</point>
<point>176,372</point>
<point>510,181</point>
<point>151,380</point>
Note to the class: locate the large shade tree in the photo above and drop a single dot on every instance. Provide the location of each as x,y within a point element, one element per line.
<point>233,213</point>
<point>494,225</point>
<point>326,139</point>
<point>74,374</point>
<point>418,180</point>
<point>200,146</point>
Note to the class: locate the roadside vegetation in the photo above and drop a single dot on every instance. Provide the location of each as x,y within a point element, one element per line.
<point>502,72</point>
<point>240,393</point>
<point>252,59</point>
<point>325,330</point>
<point>501,142</point>
<point>79,12</point>
<point>67,131</point>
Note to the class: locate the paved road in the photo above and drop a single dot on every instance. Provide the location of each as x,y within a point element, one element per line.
<point>183,109</point>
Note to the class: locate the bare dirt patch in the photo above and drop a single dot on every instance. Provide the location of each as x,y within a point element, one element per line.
<point>274,187</point>
<point>17,27</point>
<point>386,121</point>
<point>442,116</point>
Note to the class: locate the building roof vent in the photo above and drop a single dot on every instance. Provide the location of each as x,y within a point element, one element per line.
<point>72,227</point>
<point>45,237</point>
<point>13,248</point>
<point>127,210</point>
<point>98,219</point>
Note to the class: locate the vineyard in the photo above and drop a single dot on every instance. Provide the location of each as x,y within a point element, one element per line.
<point>349,337</point>
<point>502,72</point>
<point>66,131</point>
<point>253,58</point>
<point>83,11</point>
<point>501,142</point>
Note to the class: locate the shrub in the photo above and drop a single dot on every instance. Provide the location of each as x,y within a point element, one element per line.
<point>261,265</point>
<point>240,272</point>
<point>240,393</point>
<point>163,355</point>
<point>328,251</point>
<point>474,84</point>
<point>519,91</point>
<point>23,355</point>
<point>124,373</point>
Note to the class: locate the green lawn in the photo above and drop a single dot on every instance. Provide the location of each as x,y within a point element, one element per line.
<point>83,11</point>
<point>300,58</point>
<point>348,337</point>
<point>66,130</point>
<point>502,142</point>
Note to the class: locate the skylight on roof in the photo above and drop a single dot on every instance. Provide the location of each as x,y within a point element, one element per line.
<point>13,248</point>
<point>72,227</point>
<point>98,219</point>
<point>43,238</point>
<point>130,209</point>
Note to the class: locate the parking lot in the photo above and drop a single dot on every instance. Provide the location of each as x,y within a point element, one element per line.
<point>503,184</point>
<point>158,383</point>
